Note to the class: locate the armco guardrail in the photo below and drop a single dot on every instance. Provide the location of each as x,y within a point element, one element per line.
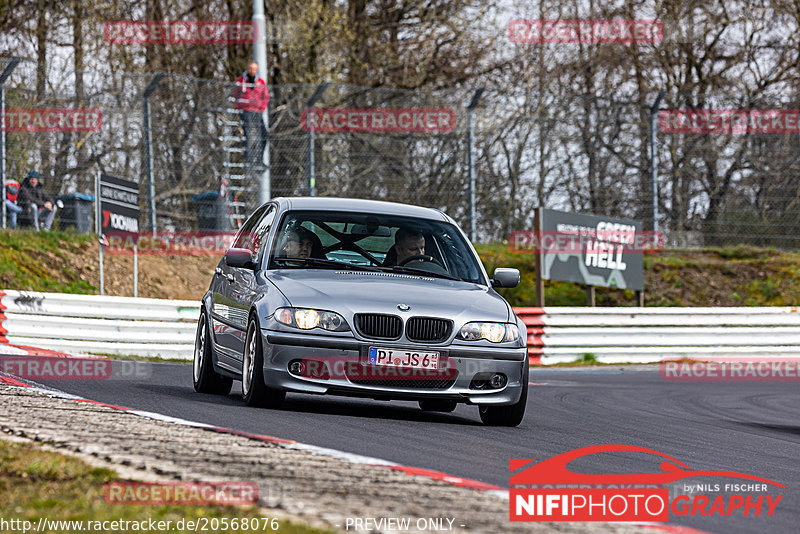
<point>616,335</point>
<point>166,328</point>
<point>99,325</point>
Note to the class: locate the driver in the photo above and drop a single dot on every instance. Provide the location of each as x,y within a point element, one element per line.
<point>407,242</point>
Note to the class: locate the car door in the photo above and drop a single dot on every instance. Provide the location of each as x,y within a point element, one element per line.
<point>243,288</point>
<point>226,304</point>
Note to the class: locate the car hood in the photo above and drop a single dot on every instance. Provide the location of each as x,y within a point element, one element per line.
<point>349,292</point>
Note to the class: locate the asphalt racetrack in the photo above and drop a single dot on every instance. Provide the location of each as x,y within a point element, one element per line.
<point>748,427</point>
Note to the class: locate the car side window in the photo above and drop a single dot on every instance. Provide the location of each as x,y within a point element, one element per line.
<point>244,239</point>
<point>455,254</point>
<point>261,233</point>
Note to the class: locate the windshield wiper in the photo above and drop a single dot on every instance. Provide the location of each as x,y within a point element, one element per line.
<point>319,262</point>
<point>422,272</point>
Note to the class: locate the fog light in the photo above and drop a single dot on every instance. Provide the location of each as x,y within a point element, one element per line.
<point>497,380</point>
<point>296,367</point>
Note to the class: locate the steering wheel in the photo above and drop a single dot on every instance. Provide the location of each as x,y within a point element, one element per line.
<point>420,257</point>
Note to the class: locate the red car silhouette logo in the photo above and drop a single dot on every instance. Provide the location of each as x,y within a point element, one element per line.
<point>554,470</point>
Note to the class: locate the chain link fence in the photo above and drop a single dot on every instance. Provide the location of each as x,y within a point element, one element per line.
<point>578,153</point>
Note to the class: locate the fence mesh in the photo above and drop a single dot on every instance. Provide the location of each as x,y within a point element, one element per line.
<point>578,153</point>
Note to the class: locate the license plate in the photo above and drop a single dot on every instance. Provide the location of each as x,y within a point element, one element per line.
<point>403,358</point>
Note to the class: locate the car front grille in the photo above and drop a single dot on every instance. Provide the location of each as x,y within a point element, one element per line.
<point>428,329</point>
<point>401,383</point>
<point>388,377</point>
<point>379,326</point>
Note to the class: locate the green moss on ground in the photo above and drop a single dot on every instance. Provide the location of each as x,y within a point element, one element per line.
<point>36,483</point>
<point>44,261</point>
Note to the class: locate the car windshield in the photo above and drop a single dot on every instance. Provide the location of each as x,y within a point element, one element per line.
<point>325,240</point>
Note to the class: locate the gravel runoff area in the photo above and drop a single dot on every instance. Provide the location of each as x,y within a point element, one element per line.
<point>300,485</point>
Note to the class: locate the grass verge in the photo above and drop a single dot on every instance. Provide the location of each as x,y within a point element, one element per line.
<point>44,261</point>
<point>36,483</point>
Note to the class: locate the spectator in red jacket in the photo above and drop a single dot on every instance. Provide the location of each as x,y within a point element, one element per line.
<point>252,97</point>
<point>12,191</point>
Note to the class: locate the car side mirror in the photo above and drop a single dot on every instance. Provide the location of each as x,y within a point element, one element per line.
<point>505,277</point>
<point>241,258</point>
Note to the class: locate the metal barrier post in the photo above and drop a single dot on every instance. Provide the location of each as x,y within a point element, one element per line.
<point>148,150</point>
<point>471,162</point>
<point>12,64</point>
<point>653,172</point>
<point>312,180</point>
<point>99,227</point>
<point>260,57</point>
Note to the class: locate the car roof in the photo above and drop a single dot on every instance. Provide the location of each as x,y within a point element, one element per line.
<point>361,205</point>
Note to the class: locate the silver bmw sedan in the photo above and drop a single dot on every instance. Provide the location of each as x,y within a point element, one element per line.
<point>361,298</point>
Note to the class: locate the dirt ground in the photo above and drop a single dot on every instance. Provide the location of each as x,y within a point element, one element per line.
<point>170,277</point>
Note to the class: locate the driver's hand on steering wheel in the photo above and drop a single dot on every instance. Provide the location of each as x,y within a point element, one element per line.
<point>419,258</point>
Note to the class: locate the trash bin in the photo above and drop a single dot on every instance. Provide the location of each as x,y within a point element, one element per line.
<point>212,212</point>
<point>77,212</point>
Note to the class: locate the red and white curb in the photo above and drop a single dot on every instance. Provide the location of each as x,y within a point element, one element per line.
<point>477,485</point>
<point>289,444</point>
<point>3,317</point>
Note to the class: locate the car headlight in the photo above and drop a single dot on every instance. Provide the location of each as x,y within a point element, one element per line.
<point>494,332</point>
<point>307,318</point>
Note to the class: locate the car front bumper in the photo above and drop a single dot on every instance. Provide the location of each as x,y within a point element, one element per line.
<point>338,355</point>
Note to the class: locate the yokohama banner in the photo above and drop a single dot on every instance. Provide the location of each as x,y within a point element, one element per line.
<point>119,205</point>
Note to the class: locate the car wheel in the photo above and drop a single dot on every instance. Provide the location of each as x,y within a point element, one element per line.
<point>437,405</point>
<point>510,415</point>
<point>205,379</point>
<point>254,391</point>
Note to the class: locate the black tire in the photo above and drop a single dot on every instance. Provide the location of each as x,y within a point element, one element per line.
<point>512,414</point>
<point>205,379</point>
<point>437,405</point>
<point>254,391</point>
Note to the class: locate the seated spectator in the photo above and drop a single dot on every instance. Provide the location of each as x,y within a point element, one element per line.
<point>12,191</point>
<point>38,208</point>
